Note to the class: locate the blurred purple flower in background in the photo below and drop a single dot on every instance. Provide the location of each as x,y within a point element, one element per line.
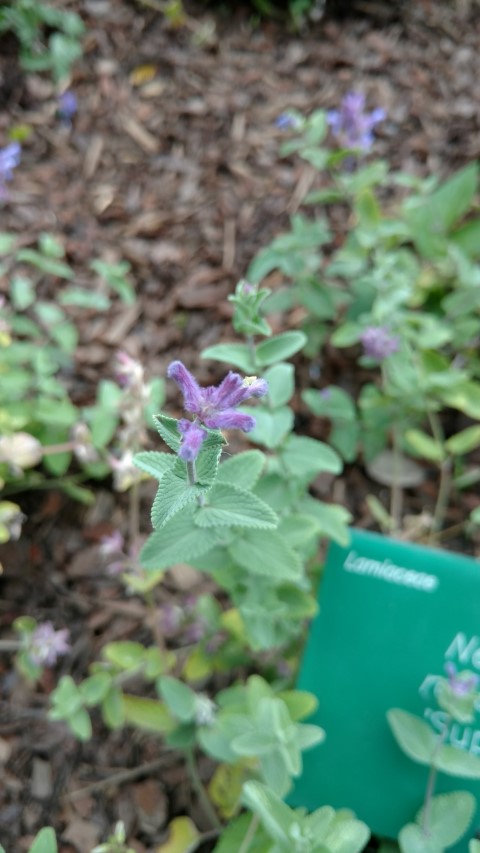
<point>287,121</point>
<point>351,124</point>
<point>67,106</point>
<point>215,406</point>
<point>460,686</point>
<point>9,160</point>
<point>378,342</point>
<point>46,644</point>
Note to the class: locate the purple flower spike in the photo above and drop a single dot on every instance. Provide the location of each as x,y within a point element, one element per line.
<point>378,342</point>
<point>459,686</point>
<point>214,406</point>
<point>46,644</point>
<point>193,437</point>
<point>351,124</point>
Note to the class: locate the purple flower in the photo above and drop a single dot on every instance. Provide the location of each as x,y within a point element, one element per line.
<point>112,544</point>
<point>215,406</point>
<point>67,106</point>
<point>46,644</point>
<point>460,685</point>
<point>378,342</point>
<point>9,159</point>
<point>193,437</point>
<point>351,124</point>
<point>286,121</point>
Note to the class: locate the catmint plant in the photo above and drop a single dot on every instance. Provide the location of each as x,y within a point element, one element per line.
<point>352,125</point>
<point>443,819</point>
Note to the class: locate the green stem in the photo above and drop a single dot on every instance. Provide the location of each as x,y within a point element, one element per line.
<point>200,789</point>
<point>445,483</point>
<point>396,493</point>
<point>432,778</point>
<point>250,834</point>
<point>192,479</point>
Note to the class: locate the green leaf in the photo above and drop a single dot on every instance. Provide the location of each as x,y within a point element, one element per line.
<point>467,238</point>
<point>423,445</point>
<point>178,541</point>
<point>113,709</point>
<point>47,265</point>
<point>173,494</point>
<point>464,441</point>
<point>154,463</point>
<point>179,697</point>
<point>80,297</point>
<point>50,246</point>
<point>234,834</point>
<point>233,507</point>
<point>125,655</point>
<point>168,429</point>
<point>331,519</point>
<point>148,714</point>
<point>412,839</point>
<point>465,397</point>
<point>22,292</point>
<point>280,347</point>
<point>266,554</point>
<point>95,688</point>
<point>270,427</point>
<point>306,457</point>
<point>81,724</point>
<point>275,816</point>
<point>237,354</point>
<point>346,835</point>
<point>413,735</point>
<point>331,402</point>
<point>45,842</point>
<point>456,762</point>
<point>300,703</point>
<point>242,470</point>
<point>449,817</point>
<point>281,384</point>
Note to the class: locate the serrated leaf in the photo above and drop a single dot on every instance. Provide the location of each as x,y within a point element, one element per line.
<point>242,470</point>
<point>148,714</point>
<point>449,816</point>
<point>233,507</point>
<point>154,463</point>
<point>413,735</point>
<point>179,540</point>
<point>280,347</point>
<point>173,494</point>
<point>266,553</point>
<point>168,429</point>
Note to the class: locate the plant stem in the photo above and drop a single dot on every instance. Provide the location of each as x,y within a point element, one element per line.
<point>192,479</point>
<point>445,483</point>
<point>200,789</point>
<point>432,778</point>
<point>250,834</point>
<point>396,493</point>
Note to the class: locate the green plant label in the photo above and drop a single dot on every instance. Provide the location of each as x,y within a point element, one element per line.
<point>392,615</point>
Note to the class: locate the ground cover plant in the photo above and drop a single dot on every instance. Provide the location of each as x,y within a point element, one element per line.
<point>251,520</point>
